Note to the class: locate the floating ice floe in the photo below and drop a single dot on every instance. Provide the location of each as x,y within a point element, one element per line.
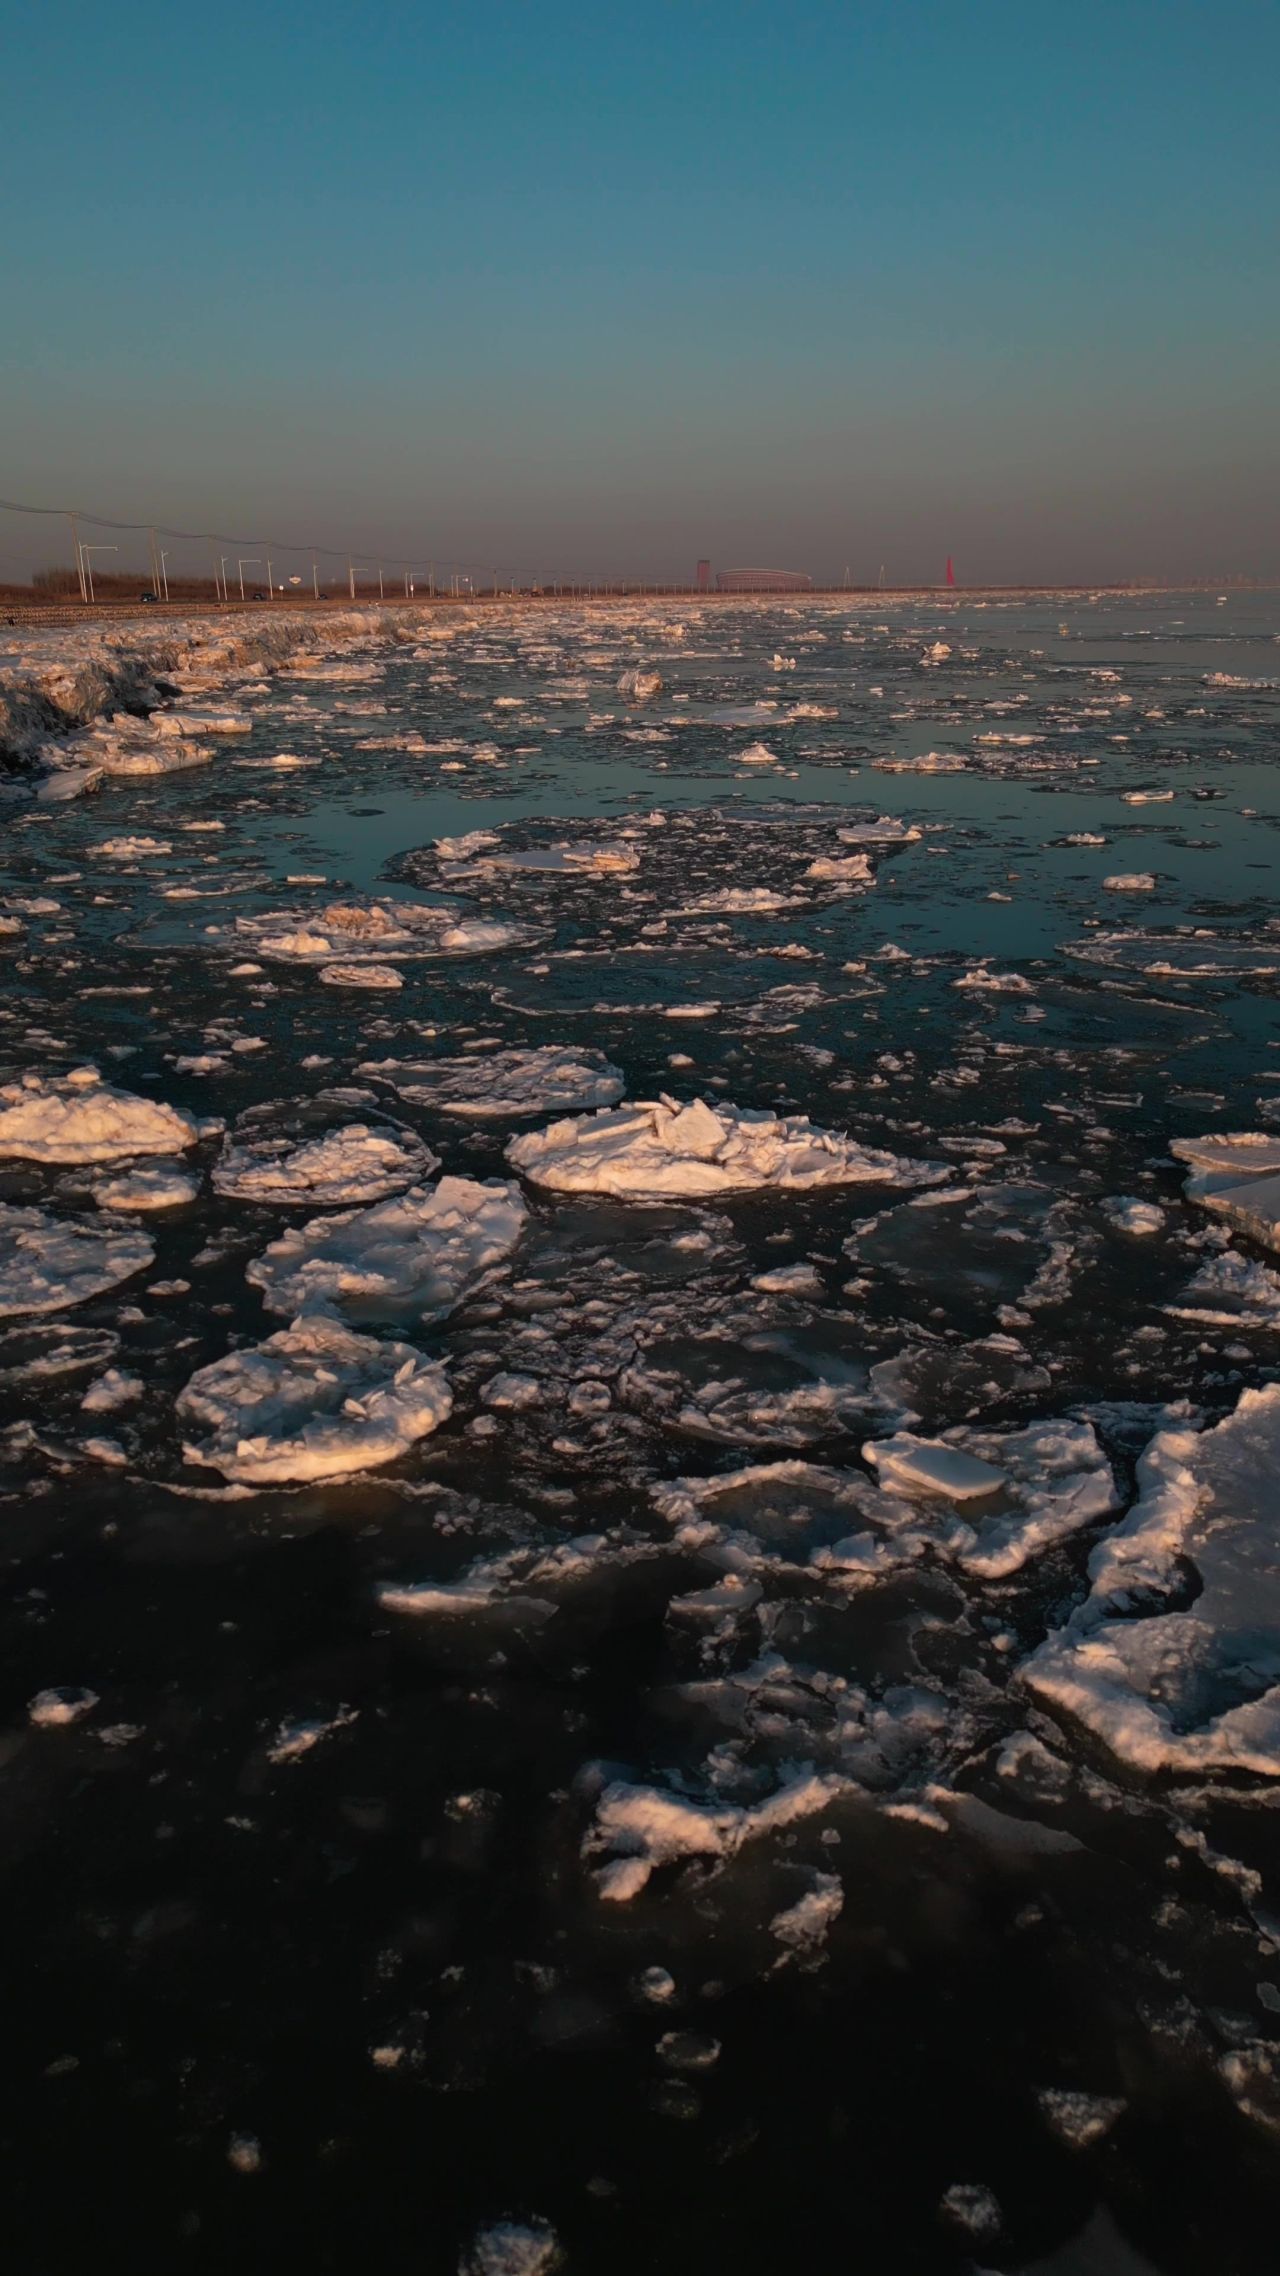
<point>1238,1177</point>
<point>312,1402</point>
<point>503,1085</point>
<point>361,976</point>
<point>1178,956</point>
<point>1165,1689</point>
<point>1230,1291</point>
<point>61,1705</point>
<point>887,830</point>
<point>79,1118</point>
<point>342,1168</point>
<point>513,2248</point>
<point>1130,881</point>
<point>48,1263</point>
<point>355,932</point>
<point>658,1150</point>
<point>840,869</point>
<point>131,849</point>
<point>742,901</point>
<point>757,755</point>
<point>158,1185</point>
<point>1146,797</point>
<point>638,1828</point>
<point>924,762</point>
<point>1002,1496</point>
<point>639,686</point>
<point>1128,1214</point>
<point>980,976</point>
<point>413,1257</point>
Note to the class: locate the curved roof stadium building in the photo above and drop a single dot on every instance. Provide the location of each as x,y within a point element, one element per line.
<point>763,581</point>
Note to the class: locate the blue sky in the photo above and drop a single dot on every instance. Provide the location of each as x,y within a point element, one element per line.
<point>585,291</point>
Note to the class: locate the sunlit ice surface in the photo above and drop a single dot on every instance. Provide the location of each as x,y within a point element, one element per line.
<point>641,1443</point>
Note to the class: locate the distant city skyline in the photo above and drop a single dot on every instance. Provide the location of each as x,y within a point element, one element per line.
<point>574,296</point>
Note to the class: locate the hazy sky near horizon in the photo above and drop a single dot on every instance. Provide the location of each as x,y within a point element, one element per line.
<point>584,291</point>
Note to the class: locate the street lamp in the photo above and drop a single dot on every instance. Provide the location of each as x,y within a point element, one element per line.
<point>85,551</point>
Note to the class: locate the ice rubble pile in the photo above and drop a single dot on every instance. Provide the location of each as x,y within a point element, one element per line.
<point>658,1150</point>
<point>1165,1689</point>
<point>315,1401</point>
<point>412,1257</point>
<point>79,1118</point>
<point>504,1084</point>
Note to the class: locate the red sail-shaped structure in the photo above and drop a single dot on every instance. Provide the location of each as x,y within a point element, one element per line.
<point>951,575</point>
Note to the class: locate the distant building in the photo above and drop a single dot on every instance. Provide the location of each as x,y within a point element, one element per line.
<point>704,576</point>
<point>763,581</point>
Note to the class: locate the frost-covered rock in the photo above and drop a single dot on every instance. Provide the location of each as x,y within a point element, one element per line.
<point>658,1150</point>
<point>48,1263</point>
<point>79,1118</point>
<point>345,1168</point>
<point>502,1085</point>
<point>413,1257</point>
<point>1190,1691</point>
<point>313,1401</point>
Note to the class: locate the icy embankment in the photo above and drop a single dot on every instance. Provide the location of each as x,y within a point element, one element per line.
<point>1191,1690</point>
<point>410,1258</point>
<point>313,1402</point>
<point>77,707</point>
<point>658,1150</point>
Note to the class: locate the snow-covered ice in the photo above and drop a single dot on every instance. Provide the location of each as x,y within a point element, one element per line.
<point>410,1258</point>
<point>314,1401</point>
<point>503,1085</point>
<point>659,1150</point>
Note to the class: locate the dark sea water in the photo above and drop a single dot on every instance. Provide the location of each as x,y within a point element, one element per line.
<point>311,1955</point>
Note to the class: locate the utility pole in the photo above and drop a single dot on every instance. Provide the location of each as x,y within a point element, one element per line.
<point>164,574</point>
<point>351,578</point>
<point>155,563</point>
<point>75,547</point>
<point>269,586</point>
<point>223,559</point>
<point>315,581</point>
<point>381,595</point>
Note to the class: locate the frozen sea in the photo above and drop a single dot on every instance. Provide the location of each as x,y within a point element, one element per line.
<point>601,1683</point>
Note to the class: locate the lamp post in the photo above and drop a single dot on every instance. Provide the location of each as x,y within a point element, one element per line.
<point>87,564</point>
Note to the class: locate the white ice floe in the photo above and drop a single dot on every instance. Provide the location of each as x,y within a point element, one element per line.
<point>980,976</point>
<point>840,869</point>
<point>640,686</point>
<point>886,830</point>
<point>48,1263</point>
<point>658,1150</point>
<point>79,1118</point>
<point>413,1257</point>
<point>1238,1177</point>
<point>742,901</point>
<point>344,1168</point>
<point>504,1084</point>
<point>924,762</point>
<point>313,1401</point>
<point>61,1704</point>
<point>1178,956</point>
<point>1130,881</point>
<point>1189,1691</point>
<point>361,976</point>
<point>1128,1214</point>
<point>1230,1291</point>
<point>757,755</point>
<point>131,849</point>
<point>1014,1493</point>
<point>1146,797</point>
<point>114,1388</point>
<point>352,932</point>
<point>157,1185</point>
<point>638,1828</point>
<point>513,2248</point>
